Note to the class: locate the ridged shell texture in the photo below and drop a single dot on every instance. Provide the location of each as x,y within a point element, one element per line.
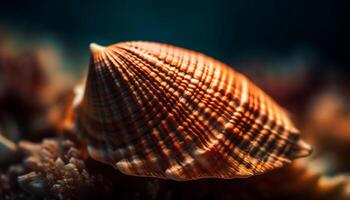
<point>152,109</point>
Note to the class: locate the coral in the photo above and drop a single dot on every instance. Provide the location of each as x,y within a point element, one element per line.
<point>57,170</point>
<point>330,113</point>
<point>300,181</point>
<point>9,188</point>
<point>33,90</point>
<point>328,126</point>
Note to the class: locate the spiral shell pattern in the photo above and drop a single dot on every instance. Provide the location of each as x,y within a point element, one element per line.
<point>152,109</point>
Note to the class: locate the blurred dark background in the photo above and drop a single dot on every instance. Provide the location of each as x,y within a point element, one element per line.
<point>228,30</point>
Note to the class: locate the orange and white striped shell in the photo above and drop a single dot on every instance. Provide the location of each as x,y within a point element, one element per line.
<point>152,109</point>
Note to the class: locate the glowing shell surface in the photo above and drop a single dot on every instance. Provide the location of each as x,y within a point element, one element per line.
<point>152,109</point>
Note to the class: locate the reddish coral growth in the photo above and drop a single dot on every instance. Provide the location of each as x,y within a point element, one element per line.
<point>9,188</point>
<point>57,169</point>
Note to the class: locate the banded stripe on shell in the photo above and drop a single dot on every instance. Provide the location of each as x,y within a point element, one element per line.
<point>152,109</point>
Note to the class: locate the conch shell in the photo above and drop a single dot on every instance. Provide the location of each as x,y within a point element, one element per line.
<point>152,109</point>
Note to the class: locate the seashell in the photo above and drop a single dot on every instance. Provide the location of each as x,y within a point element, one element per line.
<point>156,110</point>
